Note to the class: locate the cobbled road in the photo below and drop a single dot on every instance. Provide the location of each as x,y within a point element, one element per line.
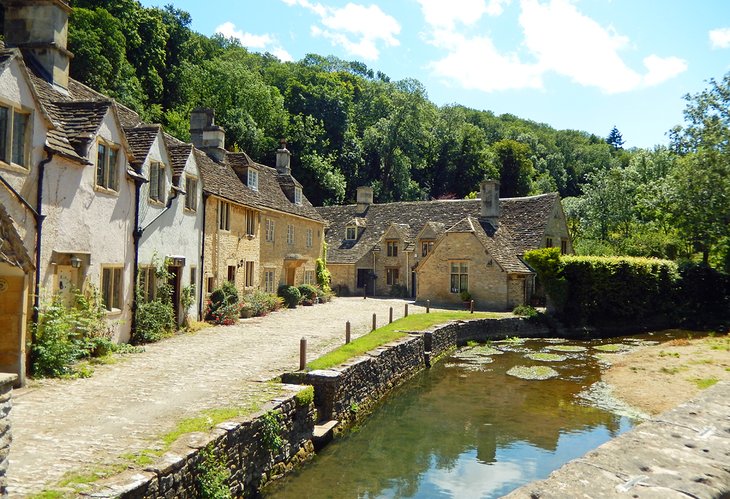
<point>65,426</point>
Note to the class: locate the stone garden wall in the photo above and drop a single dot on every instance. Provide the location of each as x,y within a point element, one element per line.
<point>242,446</point>
<point>6,389</point>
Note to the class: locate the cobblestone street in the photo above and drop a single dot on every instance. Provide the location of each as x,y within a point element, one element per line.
<point>64,425</point>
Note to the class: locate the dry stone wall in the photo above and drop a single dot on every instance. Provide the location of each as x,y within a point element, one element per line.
<point>6,390</point>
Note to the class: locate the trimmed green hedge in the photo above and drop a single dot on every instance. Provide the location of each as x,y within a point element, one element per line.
<point>585,290</point>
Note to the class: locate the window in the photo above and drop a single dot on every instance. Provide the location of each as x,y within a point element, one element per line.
<point>253,179</point>
<point>549,242</point>
<point>309,277</point>
<point>426,247</point>
<point>309,238</point>
<point>232,273</point>
<point>290,234</point>
<point>194,282</point>
<point>297,195</point>
<point>250,222</point>
<point>392,248</point>
<point>191,193</point>
<point>269,281</point>
<point>111,288</point>
<point>106,167</point>
<point>14,136</point>
<point>148,283</point>
<point>391,276</point>
<point>224,215</point>
<point>564,247</point>
<point>350,234</point>
<point>459,277</point>
<point>210,284</point>
<point>249,274</point>
<point>269,229</point>
<point>157,181</point>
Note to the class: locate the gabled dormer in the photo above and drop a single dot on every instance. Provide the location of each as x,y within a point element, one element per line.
<point>354,229</point>
<point>246,169</point>
<point>152,161</point>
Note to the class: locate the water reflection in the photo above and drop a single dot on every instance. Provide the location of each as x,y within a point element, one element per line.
<point>465,429</point>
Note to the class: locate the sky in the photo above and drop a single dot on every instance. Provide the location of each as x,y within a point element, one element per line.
<point>573,64</point>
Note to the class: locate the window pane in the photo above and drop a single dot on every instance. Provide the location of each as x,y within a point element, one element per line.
<point>154,176</point>
<point>454,268</point>
<point>112,177</point>
<point>117,289</point>
<point>106,288</point>
<point>101,165</point>
<point>20,125</point>
<point>454,283</point>
<point>4,114</point>
<point>464,268</point>
<point>464,284</point>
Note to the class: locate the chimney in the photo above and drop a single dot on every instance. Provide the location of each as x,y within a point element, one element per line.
<point>364,198</point>
<point>206,135</point>
<point>40,29</point>
<point>283,159</point>
<point>489,195</point>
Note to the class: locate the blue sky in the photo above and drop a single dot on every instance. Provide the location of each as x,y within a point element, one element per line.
<point>578,64</point>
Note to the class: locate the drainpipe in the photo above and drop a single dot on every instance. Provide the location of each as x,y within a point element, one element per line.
<point>201,274</point>
<point>39,233</point>
<point>136,235</point>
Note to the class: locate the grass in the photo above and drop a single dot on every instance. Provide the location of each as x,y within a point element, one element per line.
<point>391,332</point>
<point>703,383</point>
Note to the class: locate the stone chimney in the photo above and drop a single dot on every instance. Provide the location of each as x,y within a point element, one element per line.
<point>206,135</point>
<point>489,196</point>
<point>364,198</point>
<point>40,29</point>
<point>283,159</point>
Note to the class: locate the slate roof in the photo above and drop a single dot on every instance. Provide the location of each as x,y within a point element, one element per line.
<point>140,140</point>
<point>521,226</point>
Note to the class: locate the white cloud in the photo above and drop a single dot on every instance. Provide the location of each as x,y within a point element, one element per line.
<point>263,42</point>
<point>359,29</point>
<point>557,38</point>
<point>720,38</point>
<point>440,13</point>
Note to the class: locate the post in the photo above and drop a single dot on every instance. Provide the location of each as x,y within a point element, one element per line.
<point>365,292</point>
<point>406,313</point>
<point>302,354</point>
<point>347,332</point>
<point>428,306</point>
<point>471,306</point>
<point>375,322</point>
<point>390,317</point>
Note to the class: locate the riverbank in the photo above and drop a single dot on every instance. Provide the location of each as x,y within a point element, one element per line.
<point>655,378</point>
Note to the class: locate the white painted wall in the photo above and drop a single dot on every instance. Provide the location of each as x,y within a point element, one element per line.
<point>83,218</point>
<point>177,231</point>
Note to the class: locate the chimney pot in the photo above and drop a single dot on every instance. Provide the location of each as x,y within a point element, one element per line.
<point>489,199</point>
<point>283,159</point>
<point>364,198</point>
<point>206,135</point>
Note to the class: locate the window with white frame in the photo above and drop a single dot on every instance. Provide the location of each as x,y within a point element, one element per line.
<point>253,179</point>
<point>157,181</point>
<point>269,230</point>
<point>309,277</point>
<point>350,233</point>
<point>224,215</point>
<point>250,222</point>
<point>309,238</point>
<point>111,288</point>
<point>191,193</point>
<point>107,173</point>
<point>269,281</point>
<point>249,274</point>
<point>392,247</point>
<point>459,277</point>
<point>14,136</point>
<point>290,234</point>
<point>426,247</point>
<point>297,195</point>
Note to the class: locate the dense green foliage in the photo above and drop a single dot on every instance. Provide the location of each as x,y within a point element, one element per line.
<point>308,293</point>
<point>258,303</point>
<point>290,294</point>
<point>213,475</point>
<point>155,315</point>
<point>223,306</point>
<point>585,290</point>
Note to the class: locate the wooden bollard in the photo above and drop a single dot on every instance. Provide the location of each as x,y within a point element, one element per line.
<point>302,354</point>
<point>428,306</point>
<point>471,307</point>
<point>375,322</point>
<point>347,332</point>
<point>406,312</point>
<point>390,317</point>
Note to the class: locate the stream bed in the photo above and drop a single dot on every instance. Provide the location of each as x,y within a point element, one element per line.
<point>474,426</point>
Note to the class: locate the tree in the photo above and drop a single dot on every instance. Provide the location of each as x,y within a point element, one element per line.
<point>615,139</point>
<point>516,170</point>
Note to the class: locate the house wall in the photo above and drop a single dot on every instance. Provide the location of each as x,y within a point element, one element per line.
<point>15,293</point>
<point>227,248</point>
<point>402,262</point>
<point>557,229</point>
<point>93,223</point>
<point>488,285</point>
<point>177,231</point>
<point>343,278</point>
<point>277,255</point>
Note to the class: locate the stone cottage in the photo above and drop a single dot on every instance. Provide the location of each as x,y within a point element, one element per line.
<point>436,249</point>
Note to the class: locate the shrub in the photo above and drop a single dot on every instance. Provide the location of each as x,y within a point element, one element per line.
<point>308,292</point>
<point>223,307</point>
<point>304,396</point>
<point>703,295</point>
<point>290,294</point>
<point>465,296</point>
<point>213,476</point>
<point>259,303</point>
<point>323,275</point>
<point>155,320</point>
<point>324,296</point>
<point>525,311</point>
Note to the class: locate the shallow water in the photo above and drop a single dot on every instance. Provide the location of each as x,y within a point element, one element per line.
<point>466,429</point>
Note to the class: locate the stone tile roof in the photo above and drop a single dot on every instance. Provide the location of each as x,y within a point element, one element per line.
<point>220,180</point>
<point>521,226</point>
<point>12,250</point>
<point>140,140</point>
<point>80,120</point>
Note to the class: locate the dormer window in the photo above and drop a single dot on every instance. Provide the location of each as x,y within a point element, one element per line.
<point>253,179</point>
<point>157,181</point>
<point>297,195</point>
<point>351,233</point>
<point>106,166</point>
<point>14,136</point>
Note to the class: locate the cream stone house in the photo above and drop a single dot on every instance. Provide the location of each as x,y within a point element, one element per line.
<point>261,230</point>
<point>434,250</point>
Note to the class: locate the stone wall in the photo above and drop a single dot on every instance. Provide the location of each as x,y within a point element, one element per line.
<point>6,437</point>
<point>238,444</point>
<point>496,329</point>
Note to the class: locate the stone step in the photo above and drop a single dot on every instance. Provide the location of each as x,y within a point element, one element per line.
<point>323,434</point>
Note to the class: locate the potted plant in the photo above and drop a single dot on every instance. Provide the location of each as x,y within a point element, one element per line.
<point>465,298</point>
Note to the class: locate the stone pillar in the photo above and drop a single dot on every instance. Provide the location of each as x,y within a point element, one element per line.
<point>6,389</point>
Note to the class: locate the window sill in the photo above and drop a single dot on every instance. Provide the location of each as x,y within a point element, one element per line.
<point>155,202</point>
<point>105,190</point>
<point>113,312</point>
<point>13,167</point>
<point>189,211</point>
